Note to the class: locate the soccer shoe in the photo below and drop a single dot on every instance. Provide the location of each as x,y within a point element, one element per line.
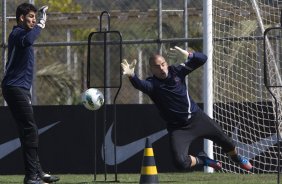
<point>48,178</point>
<point>243,162</point>
<point>212,163</point>
<point>209,162</point>
<point>33,180</point>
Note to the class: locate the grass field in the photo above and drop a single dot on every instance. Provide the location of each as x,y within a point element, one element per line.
<point>173,178</point>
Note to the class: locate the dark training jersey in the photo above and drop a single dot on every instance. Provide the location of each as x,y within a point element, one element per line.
<point>19,67</point>
<point>170,95</point>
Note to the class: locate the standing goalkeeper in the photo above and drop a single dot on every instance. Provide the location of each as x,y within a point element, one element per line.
<point>16,87</point>
<point>185,120</point>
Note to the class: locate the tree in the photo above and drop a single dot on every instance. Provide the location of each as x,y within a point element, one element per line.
<point>63,6</point>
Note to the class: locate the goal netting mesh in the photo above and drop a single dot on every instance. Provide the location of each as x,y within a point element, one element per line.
<point>242,104</point>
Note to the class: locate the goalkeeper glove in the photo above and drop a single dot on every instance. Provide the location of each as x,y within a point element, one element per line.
<point>184,53</point>
<point>128,69</point>
<point>42,16</point>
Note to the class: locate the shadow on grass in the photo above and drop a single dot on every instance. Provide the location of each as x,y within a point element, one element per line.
<point>131,182</point>
<point>112,182</point>
<point>106,182</point>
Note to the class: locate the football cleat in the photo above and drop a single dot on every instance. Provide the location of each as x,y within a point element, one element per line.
<point>209,162</point>
<point>243,162</point>
<point>33,180</point>
<point>48,178</point>
<point>212,163</point>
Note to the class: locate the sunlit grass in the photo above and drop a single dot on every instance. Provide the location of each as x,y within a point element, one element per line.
<point>174,178</point>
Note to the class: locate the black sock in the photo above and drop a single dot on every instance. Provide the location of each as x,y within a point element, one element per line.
<point>199,161</point>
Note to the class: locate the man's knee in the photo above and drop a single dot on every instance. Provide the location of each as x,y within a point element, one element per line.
<point>183,162</point>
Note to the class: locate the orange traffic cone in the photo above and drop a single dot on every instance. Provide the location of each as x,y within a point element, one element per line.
<point>149,173</point>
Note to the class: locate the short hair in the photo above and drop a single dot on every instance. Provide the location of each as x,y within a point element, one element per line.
<point>153,58</point>
<point>24,9</point>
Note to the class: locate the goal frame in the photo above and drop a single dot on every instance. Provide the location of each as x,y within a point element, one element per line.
<point>269,87</point>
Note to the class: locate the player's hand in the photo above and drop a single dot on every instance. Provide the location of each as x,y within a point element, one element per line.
<point>184,53</point>
<point>128,69</point>
<point>42,16</point>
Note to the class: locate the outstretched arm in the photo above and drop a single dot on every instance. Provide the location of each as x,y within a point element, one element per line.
<point>128,70</point>
<point>193,60</point>
<point>143,85</point>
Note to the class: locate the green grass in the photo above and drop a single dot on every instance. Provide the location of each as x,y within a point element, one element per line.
<point>169,178</point>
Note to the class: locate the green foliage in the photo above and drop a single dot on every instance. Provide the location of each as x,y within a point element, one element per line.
<point>82,33</point>
<point>63,6</point>
<point>59,82</point>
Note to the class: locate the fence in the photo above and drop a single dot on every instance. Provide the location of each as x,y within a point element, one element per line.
<point>154,26</point>
<point>61,51</point>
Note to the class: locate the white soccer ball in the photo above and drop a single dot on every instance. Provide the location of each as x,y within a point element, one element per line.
<point>92,99</point>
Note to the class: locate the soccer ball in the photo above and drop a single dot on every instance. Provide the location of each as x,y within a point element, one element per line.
<point>92,99</point>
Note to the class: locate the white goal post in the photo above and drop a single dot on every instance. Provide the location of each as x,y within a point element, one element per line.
<point>241,103</point>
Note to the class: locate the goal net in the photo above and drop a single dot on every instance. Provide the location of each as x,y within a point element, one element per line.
<point>242,104</point>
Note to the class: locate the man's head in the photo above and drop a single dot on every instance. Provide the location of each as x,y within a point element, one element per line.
<point>26,15</point>
<point>158,66</point>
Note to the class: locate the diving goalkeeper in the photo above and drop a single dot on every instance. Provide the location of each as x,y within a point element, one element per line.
<point>185,120</point>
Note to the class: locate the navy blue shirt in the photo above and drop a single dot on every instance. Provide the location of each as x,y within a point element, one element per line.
<point>170,95</point>
<point>19,67</point>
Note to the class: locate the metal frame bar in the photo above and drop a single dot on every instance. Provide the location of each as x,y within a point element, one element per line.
<point>268,86</point>
<point>105,87</point>
<point>4,34</point>
<point>145,41</point>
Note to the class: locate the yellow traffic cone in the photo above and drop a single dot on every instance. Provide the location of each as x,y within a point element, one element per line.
<point>149,173</point>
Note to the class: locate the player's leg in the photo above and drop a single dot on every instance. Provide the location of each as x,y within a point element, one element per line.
<point>180,144</point>
<point>179,149</point>
<point>180,140</point>
<point>196,128</point>
<point>45,176</point>
<point>215,133</point>
<point>229,147</point>
<point>20,105</point>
